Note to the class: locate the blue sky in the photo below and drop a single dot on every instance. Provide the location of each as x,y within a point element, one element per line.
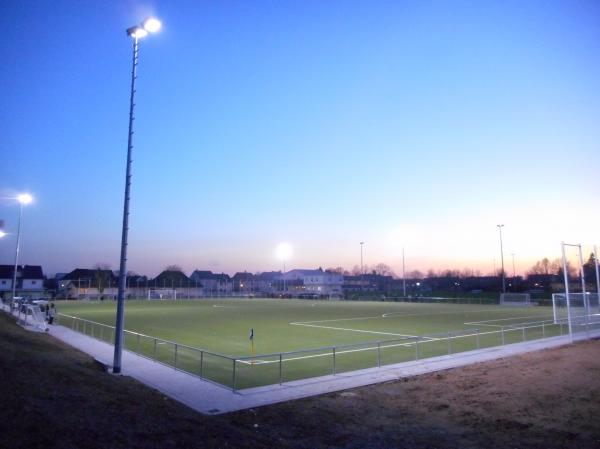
<point>402,124</point>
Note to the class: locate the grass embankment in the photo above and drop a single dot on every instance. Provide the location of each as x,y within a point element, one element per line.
<point>54,397</point>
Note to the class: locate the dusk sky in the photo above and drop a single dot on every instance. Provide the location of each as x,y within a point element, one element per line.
<point>416,124</point>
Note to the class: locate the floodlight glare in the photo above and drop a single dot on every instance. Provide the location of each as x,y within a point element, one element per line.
<point>137,32</point>
<point>2,234</point>
<point>151,25</point>
<point>284,251</point>
<point>24,198</point>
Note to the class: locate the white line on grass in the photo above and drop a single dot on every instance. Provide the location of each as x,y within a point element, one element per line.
<point>484,322</point>
<point>352,330</point>
<point>329,354</point>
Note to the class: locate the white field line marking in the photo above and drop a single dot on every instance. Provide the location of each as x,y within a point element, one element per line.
<point>402,315</point>
<point>353,330</point>
<point>387,315</point>
<point>484,322</point>
<point>373,348</point>
<point>224,307</point>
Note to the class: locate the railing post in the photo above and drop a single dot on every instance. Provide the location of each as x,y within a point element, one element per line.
<point>477,337</point>
<point>102,333</point>
<point>378,354</point>
<point>524,336</point>
<point>154,354</point>
<point>502,335</point>
<point>138,343</point>
<point>449,345</point>
<point>333,360</point>
<point>175,355</point>
<point>280,369</point>
<point>233,380</point>
<point>417,348</point>
<point>543,330</point>
<point>201,364</point>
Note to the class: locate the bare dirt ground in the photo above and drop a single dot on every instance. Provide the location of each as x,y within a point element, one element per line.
<point>52,396</point>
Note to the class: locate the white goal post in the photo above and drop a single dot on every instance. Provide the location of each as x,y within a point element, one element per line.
<point>31,317</point>
<point>158,294</point>
<point>515,299</point>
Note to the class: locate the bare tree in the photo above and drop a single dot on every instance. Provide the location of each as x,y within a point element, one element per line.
<point>173,268</point>
<point>383,270</point>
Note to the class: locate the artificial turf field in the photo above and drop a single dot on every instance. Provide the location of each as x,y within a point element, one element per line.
<point>222,326</point>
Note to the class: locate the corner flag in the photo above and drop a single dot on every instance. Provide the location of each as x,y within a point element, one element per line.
<point>251,336</point>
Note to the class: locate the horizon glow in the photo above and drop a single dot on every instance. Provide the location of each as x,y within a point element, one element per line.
<point>409,125</point>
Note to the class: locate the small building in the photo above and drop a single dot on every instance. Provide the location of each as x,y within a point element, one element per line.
<point>30,281</point>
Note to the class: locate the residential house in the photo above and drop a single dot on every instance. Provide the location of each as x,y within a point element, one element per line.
<point>313,283</point>
<point>30,281</point>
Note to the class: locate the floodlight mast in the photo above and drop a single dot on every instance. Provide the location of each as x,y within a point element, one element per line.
<point>136,32</point>
<point>500,226</point>
<point>23,199</point>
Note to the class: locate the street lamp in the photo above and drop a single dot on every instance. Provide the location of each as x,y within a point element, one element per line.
<point>137,32</point>
<point>500,226</point>
<point>361,258</point>
<point>24,199</point>
<point>403,275</point>
<point>284,252</point>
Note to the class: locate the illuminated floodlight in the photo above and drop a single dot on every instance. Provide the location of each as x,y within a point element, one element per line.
<point>137,32</point>
<point>2,233</point>
<point>284,251</point>
<point>24,198</point>
<point>151,25</point>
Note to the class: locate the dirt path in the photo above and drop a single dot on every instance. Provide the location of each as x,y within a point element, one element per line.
<point>54,397</point>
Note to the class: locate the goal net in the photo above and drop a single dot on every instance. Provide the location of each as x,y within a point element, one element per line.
<point>32,318</point>
<point>158,294</point>
<point>515,299</point>
<point>579,305</point>
<point>582,305</point>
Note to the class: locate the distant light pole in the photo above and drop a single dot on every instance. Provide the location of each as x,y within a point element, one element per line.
<point>362,271</point>
<point>403,274</point>
<point>514,272</point>
<point>137,32</point>
<point>23,199</point>
<point>284,252</point>
<point>500,226</point>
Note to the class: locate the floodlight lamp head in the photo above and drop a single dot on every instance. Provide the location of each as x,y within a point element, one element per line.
<point>2,233</point>
<point>137,32</point>
<point>151,25</point>
<point>284,251</point>
<point>24,198</point>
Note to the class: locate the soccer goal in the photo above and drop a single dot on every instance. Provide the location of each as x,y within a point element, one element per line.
<point>32,318</point>
<point>515,299</point>
<point>581,304</point>
<point>158,294</point>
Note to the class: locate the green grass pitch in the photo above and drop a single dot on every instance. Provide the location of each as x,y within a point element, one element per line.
<point>222,326</point>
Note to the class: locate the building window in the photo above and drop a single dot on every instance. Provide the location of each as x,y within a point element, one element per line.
<point>33,282</point>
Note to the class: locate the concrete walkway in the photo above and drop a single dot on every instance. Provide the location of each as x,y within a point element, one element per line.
<point>209,398</point>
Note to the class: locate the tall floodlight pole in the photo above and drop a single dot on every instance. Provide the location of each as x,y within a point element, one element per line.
<point>500,226</point>
<point>23,199</point>
<point>597,273</point>
<point>403,275</point>
<point>136,32</point>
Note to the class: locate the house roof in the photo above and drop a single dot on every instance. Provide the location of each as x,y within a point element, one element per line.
<point>23,271</point>
<point>169,277</point>
<point>245,276</point>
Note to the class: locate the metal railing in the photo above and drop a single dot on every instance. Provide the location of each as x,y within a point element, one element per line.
<point>280,367</point>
